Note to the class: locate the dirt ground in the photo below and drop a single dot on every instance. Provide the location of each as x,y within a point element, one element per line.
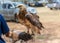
<point>51,22</point>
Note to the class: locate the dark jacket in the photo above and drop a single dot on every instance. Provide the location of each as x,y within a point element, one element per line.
<point>3,28</point>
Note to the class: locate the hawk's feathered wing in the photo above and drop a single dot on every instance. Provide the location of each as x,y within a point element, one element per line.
<point>34,20</point>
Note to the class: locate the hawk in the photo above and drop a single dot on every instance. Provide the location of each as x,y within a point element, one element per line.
<point>31,21</point>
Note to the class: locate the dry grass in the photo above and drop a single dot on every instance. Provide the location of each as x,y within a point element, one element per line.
<point>51,22</point>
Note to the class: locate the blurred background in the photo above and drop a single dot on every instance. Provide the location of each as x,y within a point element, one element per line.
<point>47,10</point>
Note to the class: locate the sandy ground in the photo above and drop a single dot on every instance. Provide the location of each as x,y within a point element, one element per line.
<point>51,22</point>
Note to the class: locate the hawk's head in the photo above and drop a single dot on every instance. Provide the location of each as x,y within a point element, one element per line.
<point>22,7</point>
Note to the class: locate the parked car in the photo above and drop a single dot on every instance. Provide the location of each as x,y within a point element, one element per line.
<point>32,4</point>
<point>41,3</point>
<point>29,9</point>
<point>9,11</point>
<point>55,5</point>
<point>37,4</point>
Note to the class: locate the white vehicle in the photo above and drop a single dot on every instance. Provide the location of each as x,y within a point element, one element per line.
<point>9,10</point>
<point>54,5</point>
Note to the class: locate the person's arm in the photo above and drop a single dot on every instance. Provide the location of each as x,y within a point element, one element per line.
<point>4,27</point>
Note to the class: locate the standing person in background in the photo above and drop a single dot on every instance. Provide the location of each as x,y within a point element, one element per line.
<point>4,30</point>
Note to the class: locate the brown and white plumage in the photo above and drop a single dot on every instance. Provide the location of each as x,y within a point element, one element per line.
<point>34,21</point>
<point>29,20</point>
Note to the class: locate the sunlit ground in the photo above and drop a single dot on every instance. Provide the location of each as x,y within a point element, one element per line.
<point>51,21</point>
